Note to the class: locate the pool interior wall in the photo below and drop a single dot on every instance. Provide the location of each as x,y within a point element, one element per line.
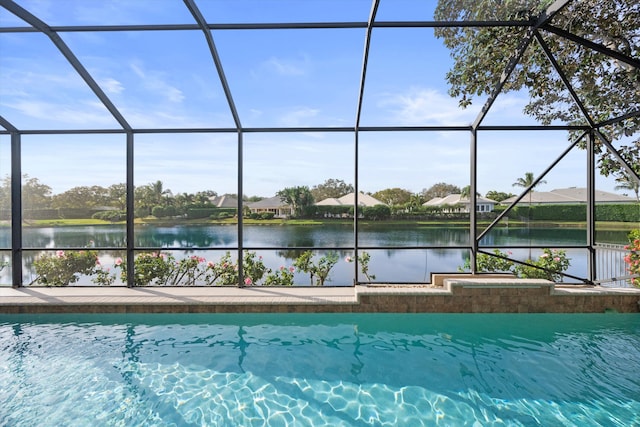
<point>456,295</point>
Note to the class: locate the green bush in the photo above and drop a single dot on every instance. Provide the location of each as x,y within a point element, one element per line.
<point>618,212</point>
<point>65,267</point>
<point>318,270</point>
<point>113,216</point>
<point>376,213</point>
<point>632,259</point>
<point>549,266</point>
<point>163,211</point>
<point>199,213</point>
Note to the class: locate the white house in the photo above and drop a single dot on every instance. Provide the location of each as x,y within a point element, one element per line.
<point>274,205</point>
<point>349,200</point>
<point>462,203</point>
<point>566,196</point>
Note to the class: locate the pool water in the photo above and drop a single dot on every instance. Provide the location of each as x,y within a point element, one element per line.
<point>320,370</point>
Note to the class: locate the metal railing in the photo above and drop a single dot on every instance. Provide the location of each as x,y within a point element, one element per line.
<point>610,266</point>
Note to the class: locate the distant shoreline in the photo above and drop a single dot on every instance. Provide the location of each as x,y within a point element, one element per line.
<point>601,225</point>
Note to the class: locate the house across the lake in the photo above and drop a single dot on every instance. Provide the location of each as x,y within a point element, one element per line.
<point>224,201</point>
<point>457,203</point>
<point>566,196</point>
<point>273,205</point>
<point>350,199</point>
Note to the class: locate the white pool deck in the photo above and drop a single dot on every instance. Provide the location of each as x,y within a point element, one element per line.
<point>79,299</point>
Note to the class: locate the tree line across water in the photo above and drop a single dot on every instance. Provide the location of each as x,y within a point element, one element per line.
<point>153,199</point>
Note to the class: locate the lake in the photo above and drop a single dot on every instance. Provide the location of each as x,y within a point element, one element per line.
<point>398,253</point>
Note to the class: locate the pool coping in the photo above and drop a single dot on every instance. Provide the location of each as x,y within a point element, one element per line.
<point>457,294</point>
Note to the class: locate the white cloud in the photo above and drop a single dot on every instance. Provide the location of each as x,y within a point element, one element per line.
<point>154,82</point>
<point>287,67</point>
<point>111,85</point>
<point>81,114</point>
<point>299,117</point>
<point>424,106</point>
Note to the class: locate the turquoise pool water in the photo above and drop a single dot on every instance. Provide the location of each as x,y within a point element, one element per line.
<point>320,370</point>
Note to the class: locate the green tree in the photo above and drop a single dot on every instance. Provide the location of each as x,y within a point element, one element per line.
<point>335,188</point>
<point>466,192</point>
<point>81,197</point>
<point>606,81</point>
<point>393,196</point>
<point>117,196</point>
<point>440,189</point>
<point>35,195</point>
<point>148,196</point>
<point>527,181</point>
<point>498,196</point>
<point>5,193</point>
<point>204,197</point>
<point>159,193</point>
<point>299,198</point>
<point>626,182</point>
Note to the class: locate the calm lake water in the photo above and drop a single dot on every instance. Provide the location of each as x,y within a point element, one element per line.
<point>389,264</point>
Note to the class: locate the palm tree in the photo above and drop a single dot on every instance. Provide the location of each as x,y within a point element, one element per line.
<point>465,193</point>
<point>627,182</point>
<point>158,192</point>
<point>527,182</point>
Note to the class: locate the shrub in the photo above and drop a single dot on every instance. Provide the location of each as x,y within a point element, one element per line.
<point>280,277</point>
<point>112,216</point>
<point>550,265</point>
<point>163,211</point>
<point>160,269</point>
<point>319,270</point>
<point>632,259</point>
<point>363,259</point>
<point>64,268</point>
<point>150,268</point>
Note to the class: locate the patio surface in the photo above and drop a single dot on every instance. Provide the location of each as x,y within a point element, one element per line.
<point>457,295</point>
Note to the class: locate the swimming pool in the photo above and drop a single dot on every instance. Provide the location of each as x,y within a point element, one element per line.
<point>314,370</point>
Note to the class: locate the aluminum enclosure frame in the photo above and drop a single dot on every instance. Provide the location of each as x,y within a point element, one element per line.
<point>590,133</point>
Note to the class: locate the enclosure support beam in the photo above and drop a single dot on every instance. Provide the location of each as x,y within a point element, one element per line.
<point>16,210</point>
<point>473,220</point>
<point>130,212</point>
<point>363,76</point>
<point>240,209</point>
<point>591,207</point>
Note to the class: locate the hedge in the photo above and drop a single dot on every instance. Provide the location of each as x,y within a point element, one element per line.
<point>198,213</point>
<point>619,212</point>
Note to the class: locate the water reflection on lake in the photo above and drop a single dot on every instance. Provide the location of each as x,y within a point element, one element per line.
<point>413,263</point>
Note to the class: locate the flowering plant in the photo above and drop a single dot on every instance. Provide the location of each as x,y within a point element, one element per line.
<point>150,268</point>
<point>65,267</point>
<point>550,264</point>
<point>253,268</point>
<point>281,277</point>
<point>162,269</point>
<point>319,270</point>
<point>224,272</point>
<point>632,259</point>
<point>363,259</point>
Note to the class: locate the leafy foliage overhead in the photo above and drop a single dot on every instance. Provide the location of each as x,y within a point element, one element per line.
<point>589,46</point>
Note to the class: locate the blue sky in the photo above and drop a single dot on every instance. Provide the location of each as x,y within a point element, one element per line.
<point>279,78</point>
